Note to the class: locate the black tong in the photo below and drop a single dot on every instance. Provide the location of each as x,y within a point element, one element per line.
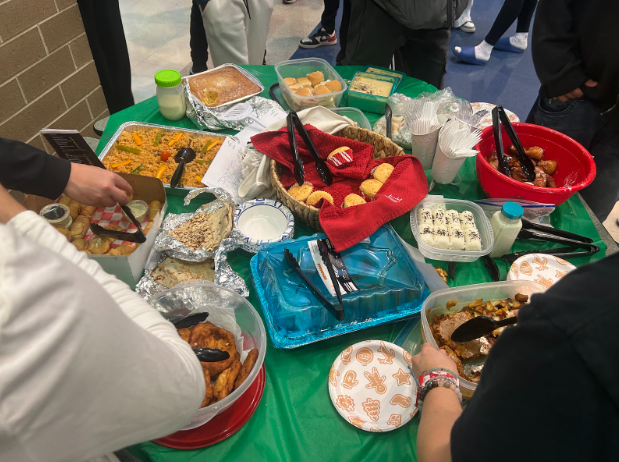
<point>138,236</point>
<point>500,117</point>
<point>293,122</point>
<point>338,312</point>
<point>540,232</point>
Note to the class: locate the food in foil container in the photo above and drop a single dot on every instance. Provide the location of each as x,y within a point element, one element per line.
<point>220,86</point>
<point>150,152</point>
<point>171,271</point>
<point>223,376</point>
<point>205,230</point>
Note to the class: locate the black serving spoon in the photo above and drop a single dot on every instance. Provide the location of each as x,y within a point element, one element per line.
<point>211,355</point>
<point>478,327</point>
<point>183,156</point>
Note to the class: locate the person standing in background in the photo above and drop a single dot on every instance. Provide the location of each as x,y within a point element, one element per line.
<point>414,31</point>
<point>106,37</point>
<point>326,34</point>
<point>198,43</point>
<point>512,9</point>
<point>465,22</point>
<point>576,60</point>
<point>236,30</point>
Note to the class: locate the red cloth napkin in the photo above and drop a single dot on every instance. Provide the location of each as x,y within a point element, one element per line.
<point>345,227</point>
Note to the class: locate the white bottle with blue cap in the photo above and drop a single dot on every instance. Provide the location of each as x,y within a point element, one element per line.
<point>506,225</point>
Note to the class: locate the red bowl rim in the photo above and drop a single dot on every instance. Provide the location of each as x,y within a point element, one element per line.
<point>528,187</point>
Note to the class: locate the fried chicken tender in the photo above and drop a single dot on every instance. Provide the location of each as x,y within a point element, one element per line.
<point>248,365</point>
<point>207,335</point>
<point>225,382</point>
<point>185,334</point>
<point>208,396</point>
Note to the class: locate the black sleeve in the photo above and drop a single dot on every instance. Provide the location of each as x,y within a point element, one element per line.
<point>32,171</point>
<point>548,388</point>
<point>555,48</point>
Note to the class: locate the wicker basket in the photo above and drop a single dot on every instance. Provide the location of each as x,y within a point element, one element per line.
<point>383,147</point>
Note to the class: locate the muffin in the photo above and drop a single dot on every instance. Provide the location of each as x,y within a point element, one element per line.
<point>317,195</point>
<point>340,156</point>
<point>352,200</point>
<point>316,77</point>
<point>301,193</point>
<point>304,91</point>
<point>333,85</point>
<point>304,82</point>
<point>369,188</point>
<point>321,90</point>
<point>382,172</point>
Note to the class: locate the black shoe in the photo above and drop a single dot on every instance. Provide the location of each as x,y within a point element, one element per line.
<point>319,39</point>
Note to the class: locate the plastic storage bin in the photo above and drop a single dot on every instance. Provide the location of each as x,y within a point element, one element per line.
<point>390,286</point>
<point>355,115</point>
<point>300,68</point>
<point>370,103</point>
<point>435,305</point>
<point>200,296</point>
<point>398,76</point>
<point>482,222</point>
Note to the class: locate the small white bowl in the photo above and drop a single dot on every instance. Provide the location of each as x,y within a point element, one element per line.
<point>262,222</point>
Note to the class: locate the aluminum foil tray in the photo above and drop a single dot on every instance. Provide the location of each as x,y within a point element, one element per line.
<point>391,288</point>
<point>234,66</point>
<point>134,126</point>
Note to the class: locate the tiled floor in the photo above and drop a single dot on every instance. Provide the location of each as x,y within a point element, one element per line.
<point>157,33</point>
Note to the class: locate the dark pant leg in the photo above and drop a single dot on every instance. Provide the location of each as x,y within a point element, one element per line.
<point>509,12</point>
<point>373,35</point>
<point>197,39</point>
<point>525,16</point>
<point>106,36</point>
<point>343,35</point>
<point>424,55</point>
<point>580,120</point>
<point>328,15</point>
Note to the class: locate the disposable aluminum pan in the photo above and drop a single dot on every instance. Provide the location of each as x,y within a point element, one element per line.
<point>131,127</point>
<point>234,66</point>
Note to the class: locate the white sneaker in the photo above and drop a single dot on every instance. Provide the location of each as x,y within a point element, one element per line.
<point>468,27</point>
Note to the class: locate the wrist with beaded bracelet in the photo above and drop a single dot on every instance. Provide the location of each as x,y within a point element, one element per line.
<point>435,378</point>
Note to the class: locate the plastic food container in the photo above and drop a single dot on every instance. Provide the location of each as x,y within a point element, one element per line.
<point>481,221</point>
<point>355,115</point>
<point>262,222</point>
<point>390,286</point>
<point>370,103</point>
<point>435,305</point>
<point>199,296</point>
<point>575,165</point>
<point>300,68</point>
<point>397,75</point>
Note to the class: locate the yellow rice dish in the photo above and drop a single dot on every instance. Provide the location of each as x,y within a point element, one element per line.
<point>151,152</point>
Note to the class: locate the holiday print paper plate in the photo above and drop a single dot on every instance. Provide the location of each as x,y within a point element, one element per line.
<point>371,386</point>
<point>541,268</point>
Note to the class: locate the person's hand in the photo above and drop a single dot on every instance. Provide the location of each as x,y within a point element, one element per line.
<point>9,207</point>
<point>429,358</point>
<point>96,186</point>
<point>576,93</point>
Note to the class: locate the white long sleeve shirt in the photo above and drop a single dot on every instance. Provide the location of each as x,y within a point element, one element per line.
<point>86,366</point>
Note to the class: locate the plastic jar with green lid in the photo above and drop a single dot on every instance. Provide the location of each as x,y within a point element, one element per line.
<point>170,95</point>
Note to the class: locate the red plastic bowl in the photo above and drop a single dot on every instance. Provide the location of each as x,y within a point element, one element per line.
<point>575,166</point>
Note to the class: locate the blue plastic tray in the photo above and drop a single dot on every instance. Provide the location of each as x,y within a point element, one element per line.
<point>390,286</point>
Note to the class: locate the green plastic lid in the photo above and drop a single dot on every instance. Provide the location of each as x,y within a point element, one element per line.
<point>167,78</point>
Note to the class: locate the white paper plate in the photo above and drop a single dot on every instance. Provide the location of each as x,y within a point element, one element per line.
<point>371,386</point>
<point>487,121</point>
<point>541,268</point>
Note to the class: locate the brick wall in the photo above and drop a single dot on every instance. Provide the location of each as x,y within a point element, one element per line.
<point>47,75</point>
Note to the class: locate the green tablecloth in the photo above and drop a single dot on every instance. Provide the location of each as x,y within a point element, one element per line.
<point>295,419</point>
